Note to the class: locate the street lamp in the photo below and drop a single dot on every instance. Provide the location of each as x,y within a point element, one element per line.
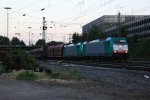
<point>7,8</point>
<point>29,34</point>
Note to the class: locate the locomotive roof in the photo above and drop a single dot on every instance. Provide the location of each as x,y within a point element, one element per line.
<point>115,38</point>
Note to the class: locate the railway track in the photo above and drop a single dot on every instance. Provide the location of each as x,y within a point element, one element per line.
<point>98,70</point>
<point>131,65</point>
<point>143,66</point>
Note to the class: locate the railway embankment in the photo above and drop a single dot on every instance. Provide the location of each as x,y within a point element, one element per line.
<point>139,50</point>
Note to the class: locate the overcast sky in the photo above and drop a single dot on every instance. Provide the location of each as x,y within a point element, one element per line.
<point>64,16</point>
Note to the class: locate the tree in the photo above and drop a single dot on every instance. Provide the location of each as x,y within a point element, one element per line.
<point>95,33</point>
<point>133,39</point>
<point>84,37</point>
<point>115,34</point>
<point>54,43</point>
<point>22,43</point>
<point>124,31</point>
<point>4,40</point>
<point>76,38</point>
<point>15,41</point>
<point>18,59</point>
<point>40,42</point>
<point>1,40</point>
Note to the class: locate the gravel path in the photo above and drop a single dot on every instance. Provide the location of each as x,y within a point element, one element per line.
<point>20,90</point>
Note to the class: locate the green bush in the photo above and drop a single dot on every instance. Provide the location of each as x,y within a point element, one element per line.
<point>66,74</point>
<point>18,59</point>
<point>27,76</point>
<point>139,50</point>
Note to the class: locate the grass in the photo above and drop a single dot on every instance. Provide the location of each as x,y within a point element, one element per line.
<point>27,76</point>
<point>139,59</point>
<point>68,74</point>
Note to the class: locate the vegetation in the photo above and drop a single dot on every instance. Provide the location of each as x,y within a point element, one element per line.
<point>65,74</point>
<point>139,50</point>
<point>95,33</point>
<point>18,59</point>
<point>14,41</point>
<point>76,38</point>
<point>27,76</point>
<point>54,43</point>
<point>40,42</point>
<point>4,40</point>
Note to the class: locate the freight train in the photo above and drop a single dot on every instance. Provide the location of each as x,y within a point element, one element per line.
<point>100,49</point>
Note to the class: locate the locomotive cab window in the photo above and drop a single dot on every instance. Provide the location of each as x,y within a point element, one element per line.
<point>120,42</point>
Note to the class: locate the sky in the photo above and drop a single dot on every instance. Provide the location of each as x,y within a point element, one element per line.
<point>63,17</point>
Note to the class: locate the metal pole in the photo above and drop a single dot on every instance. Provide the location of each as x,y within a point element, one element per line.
<point>7,8</point>
<point>119,34</point>
<point>7,22</point>
<point>29,35</point>
<point>44,28</point>
<point>70,38</point>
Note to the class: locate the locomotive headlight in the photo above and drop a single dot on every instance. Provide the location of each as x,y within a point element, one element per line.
<point>115,51</point>
<point>120,46</point>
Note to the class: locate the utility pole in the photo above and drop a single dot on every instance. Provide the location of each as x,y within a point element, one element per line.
<point>119,26</point>
<point>44,29</point>
<point>7,8</point>
<point>29,34</point>
<point>70,38</point>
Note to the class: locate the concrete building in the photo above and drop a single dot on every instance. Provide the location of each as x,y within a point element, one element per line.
<point>139,27</point>
<point>134,24</point>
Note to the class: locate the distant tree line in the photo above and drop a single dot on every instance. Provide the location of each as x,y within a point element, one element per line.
<point>41,42</point>
<point>96,33</point>
<point>14,41</point>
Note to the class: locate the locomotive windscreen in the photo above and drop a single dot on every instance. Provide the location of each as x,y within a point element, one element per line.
<point>120,42</point>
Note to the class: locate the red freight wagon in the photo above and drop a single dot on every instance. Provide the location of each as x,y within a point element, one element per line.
<point>50,51</point>
<point>58,51</point>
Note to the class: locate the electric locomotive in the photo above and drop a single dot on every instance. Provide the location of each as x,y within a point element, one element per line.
<point>110,48</point>
<point>117,48</point>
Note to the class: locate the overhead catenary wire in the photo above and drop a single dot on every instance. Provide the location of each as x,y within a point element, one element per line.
<point>69,21</point>
<point>78,15</point>
<point>40,18</point>
<point>91,10</point>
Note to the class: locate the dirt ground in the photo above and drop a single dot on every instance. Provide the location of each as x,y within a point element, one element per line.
<point>67,90</point>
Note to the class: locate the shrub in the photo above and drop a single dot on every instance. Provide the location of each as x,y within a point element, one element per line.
<point>140,50</point>
<point>18,59</point>
<point>26,76</point>
<point>66,74</point>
